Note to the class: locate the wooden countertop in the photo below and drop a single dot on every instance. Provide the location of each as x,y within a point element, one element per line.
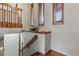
<point>41,32</point>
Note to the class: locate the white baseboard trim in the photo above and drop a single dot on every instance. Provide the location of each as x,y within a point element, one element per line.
<point>61,52</point>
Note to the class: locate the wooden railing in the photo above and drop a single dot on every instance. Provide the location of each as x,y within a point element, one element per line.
<point>34,38</point>
<point>10,17</point>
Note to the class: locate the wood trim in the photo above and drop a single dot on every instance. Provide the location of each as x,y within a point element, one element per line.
<point>54,21</point>
<point>63,13</point>
<point>37,32</point>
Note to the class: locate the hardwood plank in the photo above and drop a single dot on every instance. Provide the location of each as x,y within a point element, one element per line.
<point>49,53</point>
<point>53,53</point>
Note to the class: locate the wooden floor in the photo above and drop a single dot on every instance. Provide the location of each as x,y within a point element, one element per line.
<point>49,53</point>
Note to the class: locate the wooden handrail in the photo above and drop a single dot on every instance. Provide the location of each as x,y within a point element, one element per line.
<point>30,42</point>
<point>6,4</point>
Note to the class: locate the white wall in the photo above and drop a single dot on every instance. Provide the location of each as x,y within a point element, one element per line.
<point>65,38</point>
<point>26,17</point>
<point>36,14</point>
